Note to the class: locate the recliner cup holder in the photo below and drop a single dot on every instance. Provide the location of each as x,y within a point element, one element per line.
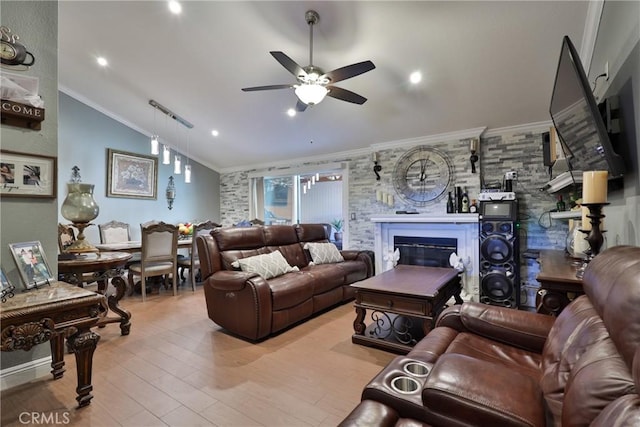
<point>405,385</point>
<point>416,368</point>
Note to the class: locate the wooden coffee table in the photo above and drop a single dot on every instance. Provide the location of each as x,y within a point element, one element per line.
<point>404,303</point>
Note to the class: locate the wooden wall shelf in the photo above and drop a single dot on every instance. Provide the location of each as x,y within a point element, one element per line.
<point>21,115</point>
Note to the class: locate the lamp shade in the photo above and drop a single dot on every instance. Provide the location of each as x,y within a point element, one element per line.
<point>177,165</point>
<point>166,155</point>
<point>155,145</point>
<point>311,94</point>
<point>187,174</point>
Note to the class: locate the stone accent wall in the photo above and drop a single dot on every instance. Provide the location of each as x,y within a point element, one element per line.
<point>499,153</point>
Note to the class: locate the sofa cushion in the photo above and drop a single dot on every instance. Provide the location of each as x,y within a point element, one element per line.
<point>324,253</point>
<point>291,289</point>
<point>326,276</point>
<point>266,265</point>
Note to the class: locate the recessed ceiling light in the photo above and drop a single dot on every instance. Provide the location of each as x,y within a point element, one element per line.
<point>291,112</point>
<point>415,77</point>
<point>175,7</point>
<point>215,132</point>
<point>102,61</point>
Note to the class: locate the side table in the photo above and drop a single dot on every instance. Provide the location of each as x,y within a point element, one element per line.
<point>52,313</point>
<point>103,266</point>
<point>558,281</point>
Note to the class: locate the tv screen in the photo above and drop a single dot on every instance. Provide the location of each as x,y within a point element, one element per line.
<point>577,120</point>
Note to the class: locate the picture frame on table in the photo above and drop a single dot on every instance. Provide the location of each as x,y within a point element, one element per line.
<point>131,175</point>
<point>27,175</point>
<point>32,263</point>
<point>6,287</point>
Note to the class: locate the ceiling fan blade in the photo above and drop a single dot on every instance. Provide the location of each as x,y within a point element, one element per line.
<point>271,87</point>
<point>349,71</point>
<point>288,63</point>
<point>345,95</point>
<point>300,106</point>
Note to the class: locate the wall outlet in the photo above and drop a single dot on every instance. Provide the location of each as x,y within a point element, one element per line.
<point>353,216</point>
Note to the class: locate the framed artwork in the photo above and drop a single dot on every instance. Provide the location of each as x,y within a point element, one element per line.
<point>131,175</point>
<point>32,263</point>
<point>27,175</point>
<point>6,288</point>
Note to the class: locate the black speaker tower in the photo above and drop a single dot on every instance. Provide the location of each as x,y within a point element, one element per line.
<point>499,254</point>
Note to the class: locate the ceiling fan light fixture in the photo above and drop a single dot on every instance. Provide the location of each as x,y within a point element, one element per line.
<point>311,94</point>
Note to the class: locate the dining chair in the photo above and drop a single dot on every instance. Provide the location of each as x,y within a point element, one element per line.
<point>192,262</point>
<point>117,232</point>
<point>159,250</point>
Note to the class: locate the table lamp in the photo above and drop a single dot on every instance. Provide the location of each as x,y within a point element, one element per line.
<point>80,208</point>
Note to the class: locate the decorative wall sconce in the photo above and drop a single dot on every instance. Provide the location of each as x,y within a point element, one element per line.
<point>376,168</point>
<point>473,148</point>
<point>171,193</point>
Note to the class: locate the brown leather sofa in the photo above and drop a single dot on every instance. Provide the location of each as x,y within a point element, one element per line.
<point>248,305</point>
<point>492,366</point>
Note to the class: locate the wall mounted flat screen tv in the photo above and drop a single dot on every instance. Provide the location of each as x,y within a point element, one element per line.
<point>577,120</point>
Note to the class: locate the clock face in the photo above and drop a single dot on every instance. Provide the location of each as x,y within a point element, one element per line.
<point>7,51</point>
<point>422,175</point>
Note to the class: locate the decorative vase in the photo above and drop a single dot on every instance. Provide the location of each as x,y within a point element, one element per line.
<point>80,208</point>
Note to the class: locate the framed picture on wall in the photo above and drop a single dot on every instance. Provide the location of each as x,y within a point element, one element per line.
<point>32,263</point>
<point>27,175</point>
<point>131,175</point>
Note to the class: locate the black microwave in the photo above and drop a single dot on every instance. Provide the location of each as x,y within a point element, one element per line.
<point>499,210</point>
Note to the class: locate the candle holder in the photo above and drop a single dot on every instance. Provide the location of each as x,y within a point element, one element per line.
<point>594,237</point>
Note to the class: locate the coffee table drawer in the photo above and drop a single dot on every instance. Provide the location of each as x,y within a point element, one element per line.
<point>397,304</point>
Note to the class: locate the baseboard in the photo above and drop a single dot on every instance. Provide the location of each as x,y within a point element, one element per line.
<point>24,373</point>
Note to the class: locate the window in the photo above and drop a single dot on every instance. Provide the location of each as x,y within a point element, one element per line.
<point>309,196</point>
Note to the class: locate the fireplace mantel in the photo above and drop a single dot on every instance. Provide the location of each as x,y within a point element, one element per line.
<point>427,218</point>
<point>463,227</point>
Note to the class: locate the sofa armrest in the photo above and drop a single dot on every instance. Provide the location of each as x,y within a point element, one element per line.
<point>365,256</point>
<point>462,390</point>
<point>517,328</point>
<point>226,280</point>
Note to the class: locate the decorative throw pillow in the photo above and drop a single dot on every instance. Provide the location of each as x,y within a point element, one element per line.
<point>324,253</point>
<point>268,265</point>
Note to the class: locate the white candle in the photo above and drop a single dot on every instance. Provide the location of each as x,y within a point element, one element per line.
<point>375,157</point>
<point>390,199</point>
<point>379,195</point>
<point>594,187</point>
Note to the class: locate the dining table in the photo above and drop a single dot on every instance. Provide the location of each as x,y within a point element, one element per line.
<point>133,246</point>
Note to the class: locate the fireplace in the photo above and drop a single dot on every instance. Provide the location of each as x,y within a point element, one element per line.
<point>425,251</point>
<point>461,228</point>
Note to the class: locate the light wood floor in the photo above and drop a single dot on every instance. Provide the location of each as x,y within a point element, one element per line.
<point>178,368</point>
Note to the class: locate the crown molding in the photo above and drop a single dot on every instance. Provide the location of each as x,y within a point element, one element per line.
<point>447,136</point>
<point>590,33</point>
<point>527,127</point>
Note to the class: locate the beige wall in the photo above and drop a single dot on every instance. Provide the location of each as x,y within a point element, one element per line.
<point>27,219</point>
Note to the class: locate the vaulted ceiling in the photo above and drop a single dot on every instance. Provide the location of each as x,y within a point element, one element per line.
<point>483,64</point>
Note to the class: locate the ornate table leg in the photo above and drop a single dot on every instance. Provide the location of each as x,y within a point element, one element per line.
<point>121,288</point>
<point>358,324</point>
<point>57,355</point>
<point>83,344</point>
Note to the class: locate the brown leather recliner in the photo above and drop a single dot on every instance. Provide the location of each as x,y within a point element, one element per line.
<point>253,307</point>
<point>491,366</point>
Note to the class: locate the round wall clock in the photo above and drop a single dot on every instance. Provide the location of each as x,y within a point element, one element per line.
<point>421,175</point>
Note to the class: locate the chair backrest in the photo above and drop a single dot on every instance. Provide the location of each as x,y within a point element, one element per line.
<point>204,227</point>
<point>114,232</point>
<point>159,242</point>
<point>66,236</point>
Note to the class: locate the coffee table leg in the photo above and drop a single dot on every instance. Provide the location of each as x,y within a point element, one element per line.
<point>358,324</point>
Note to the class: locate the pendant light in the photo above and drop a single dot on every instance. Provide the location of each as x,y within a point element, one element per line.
<point>166,155</point>
<point>177,164</point>
<point>187,167</point>
<point>155,143</point>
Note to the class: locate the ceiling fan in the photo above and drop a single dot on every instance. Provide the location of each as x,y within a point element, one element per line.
<point>313,83</point>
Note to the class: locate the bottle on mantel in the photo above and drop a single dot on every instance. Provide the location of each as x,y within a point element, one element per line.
<point>474,206</point>
<point>560,205</point>
<point>450,206</point>
<point>464,204</point>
